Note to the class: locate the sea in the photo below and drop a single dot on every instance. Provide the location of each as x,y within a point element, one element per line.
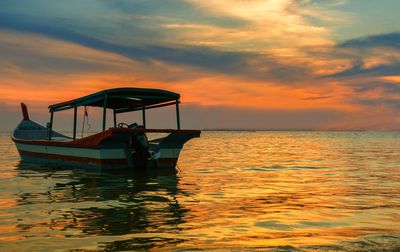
<point>231,191</point>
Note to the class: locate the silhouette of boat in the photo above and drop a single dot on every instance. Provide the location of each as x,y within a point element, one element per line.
<point>123,146</point>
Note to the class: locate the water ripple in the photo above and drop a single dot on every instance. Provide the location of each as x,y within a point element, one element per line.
<point>267,191</point>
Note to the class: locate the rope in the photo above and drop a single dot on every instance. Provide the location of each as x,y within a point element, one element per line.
<point>85,118</point>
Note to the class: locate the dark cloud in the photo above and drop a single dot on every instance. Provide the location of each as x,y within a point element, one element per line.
<point>318,97</point>
<point>234,63</point>
<point>173,10</point>
<point>393,103</point>
<point>361,48</point>
<point>358,69</point>
<point>388,88</point>
<point>382,40</point>
<point>36,61</point>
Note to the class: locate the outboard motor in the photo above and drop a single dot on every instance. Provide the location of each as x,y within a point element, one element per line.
<point>141,153</point>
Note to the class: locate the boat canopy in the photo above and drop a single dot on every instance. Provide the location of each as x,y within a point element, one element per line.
<point>122,100</point>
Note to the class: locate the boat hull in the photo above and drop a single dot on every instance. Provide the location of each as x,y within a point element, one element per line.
<point>73,157</point>
<point>98,159</point>
<point>107,150</point>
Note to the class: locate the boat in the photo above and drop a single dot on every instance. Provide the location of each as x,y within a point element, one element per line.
<point>122,146</point>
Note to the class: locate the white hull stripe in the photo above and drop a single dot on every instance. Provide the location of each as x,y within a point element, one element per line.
<point>90,153</point>
<point>74,152</point>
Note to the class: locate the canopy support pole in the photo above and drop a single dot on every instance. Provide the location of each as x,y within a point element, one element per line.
<point>51,125</point>
<point>75,115</point>
<point>178,121</point>
<point>104,112</point>
<point>115,118</point>
<point>144,117</point>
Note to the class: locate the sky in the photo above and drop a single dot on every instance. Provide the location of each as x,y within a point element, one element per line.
<point>238,64</point>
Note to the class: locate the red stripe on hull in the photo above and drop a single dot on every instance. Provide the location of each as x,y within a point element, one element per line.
<point>92,142</point>
<point>83,160</point>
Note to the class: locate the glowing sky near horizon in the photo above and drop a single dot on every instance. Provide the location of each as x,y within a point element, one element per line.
<point>281,64</point>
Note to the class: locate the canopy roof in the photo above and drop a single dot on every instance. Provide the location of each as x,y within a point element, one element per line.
<point>122,99</point>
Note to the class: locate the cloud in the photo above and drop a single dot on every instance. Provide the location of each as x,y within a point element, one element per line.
<point>256,39</point>
<point>373,56</point>
<point>358,69</point>
<point>171,11</point>
<point>376,93</point>
<point>49,57</point>
<point>382,40</point>
<point>272,23</point>
<point>393,103</point>
<point>250,58</point>
<point>389,88</point>
<point>248,64</point>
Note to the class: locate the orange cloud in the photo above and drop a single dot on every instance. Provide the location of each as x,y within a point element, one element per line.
<point>196,86</point>
<point>23,78</point>
<point>271,24</point>
<point>394,78</point>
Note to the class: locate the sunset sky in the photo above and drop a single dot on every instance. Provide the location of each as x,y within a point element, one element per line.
<point>260,64</point>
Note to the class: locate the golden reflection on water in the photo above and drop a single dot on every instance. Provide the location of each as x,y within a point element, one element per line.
<point>312,190</point>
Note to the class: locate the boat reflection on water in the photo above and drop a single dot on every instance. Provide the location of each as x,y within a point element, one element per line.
<point>120,210</point>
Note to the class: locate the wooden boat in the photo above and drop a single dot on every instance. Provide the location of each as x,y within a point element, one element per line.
<point>123,146</point>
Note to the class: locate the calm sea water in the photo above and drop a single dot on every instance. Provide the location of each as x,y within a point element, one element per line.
<point>271,191</point>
